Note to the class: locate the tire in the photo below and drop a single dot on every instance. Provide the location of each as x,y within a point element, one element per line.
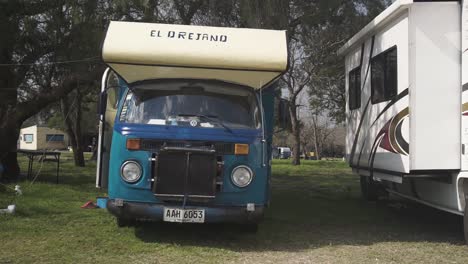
<point>369,188</point>
<point>251,228</point>
<point>465,222</point>
<point>124,222</point>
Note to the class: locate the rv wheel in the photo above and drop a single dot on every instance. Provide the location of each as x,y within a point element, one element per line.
<point>251,228</point>
<point>369,188</point>
<point>124,222</point>
<point>465,222</point>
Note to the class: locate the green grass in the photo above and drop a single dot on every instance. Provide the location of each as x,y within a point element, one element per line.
<point>316,215</point>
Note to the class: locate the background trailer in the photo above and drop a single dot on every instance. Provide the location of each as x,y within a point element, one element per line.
<point>42,138</point>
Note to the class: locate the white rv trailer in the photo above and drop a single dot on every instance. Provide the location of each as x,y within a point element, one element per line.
<point>407,104</point>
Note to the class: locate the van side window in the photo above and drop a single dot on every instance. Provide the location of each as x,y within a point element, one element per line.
<point>384,79</point>
<point>354,88</point>
<point>113,91</point>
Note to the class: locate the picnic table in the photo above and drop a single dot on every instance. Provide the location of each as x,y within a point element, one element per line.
<point>43,157</point>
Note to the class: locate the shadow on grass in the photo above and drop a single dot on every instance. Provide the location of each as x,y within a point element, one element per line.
<point>314,211</point>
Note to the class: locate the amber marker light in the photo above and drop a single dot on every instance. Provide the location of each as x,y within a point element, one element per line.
<point>133,144</point>
<point>241,149</point>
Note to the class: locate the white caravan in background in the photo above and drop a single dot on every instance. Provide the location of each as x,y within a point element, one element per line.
<point>407,104</point>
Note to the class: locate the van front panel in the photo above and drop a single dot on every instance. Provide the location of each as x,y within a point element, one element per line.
<point>226,194</point>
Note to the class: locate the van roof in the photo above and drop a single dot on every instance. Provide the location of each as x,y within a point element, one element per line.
<point>148,51</point>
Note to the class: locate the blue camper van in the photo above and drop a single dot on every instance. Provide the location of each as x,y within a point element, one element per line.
<point>186,122</point>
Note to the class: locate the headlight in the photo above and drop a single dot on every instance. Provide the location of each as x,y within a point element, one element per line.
<point>242,176</point>
<point>131,171</point>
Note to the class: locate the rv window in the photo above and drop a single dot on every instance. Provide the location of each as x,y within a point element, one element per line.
<point>354,88</point>
<point>55,138</point>
<point>384,77</point>
<point>28,138</point>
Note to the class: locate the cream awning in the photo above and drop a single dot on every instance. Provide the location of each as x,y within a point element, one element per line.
<point>146,51</point>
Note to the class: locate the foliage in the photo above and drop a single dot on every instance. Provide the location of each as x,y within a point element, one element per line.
<point>322,37</point>
<point>37,35</point>
<point>55,117</point>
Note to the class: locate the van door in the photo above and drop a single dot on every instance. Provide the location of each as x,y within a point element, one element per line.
<point>109,99</point>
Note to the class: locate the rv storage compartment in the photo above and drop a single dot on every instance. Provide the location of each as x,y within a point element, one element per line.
<point>435,90</point>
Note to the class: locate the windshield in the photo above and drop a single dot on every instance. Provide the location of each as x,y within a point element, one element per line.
<point>205,105</point>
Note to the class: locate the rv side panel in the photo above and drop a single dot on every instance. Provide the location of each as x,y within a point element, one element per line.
<point>371,144</point>
<point>435,78</point>
<point>352,116</point>
<point>465,85</point>
<point>389,122</point>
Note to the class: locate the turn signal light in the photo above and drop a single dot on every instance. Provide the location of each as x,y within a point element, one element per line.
<point>133,144</point>
<point>241,149</point>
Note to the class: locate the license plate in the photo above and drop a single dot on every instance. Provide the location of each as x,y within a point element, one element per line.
<point>184,215</point>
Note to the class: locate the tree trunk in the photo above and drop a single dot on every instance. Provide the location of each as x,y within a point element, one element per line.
<point>9,133</point>
<point>94,156</point>
<point>79,156</point>
<point>316,139</point>
<point>296,155</point>
<point>9,126</point>
<point>77,151</point>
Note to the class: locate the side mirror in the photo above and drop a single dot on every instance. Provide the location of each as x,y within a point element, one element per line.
<point>283,119</point>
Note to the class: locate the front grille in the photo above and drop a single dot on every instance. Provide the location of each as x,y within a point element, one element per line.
<point>220,148</point>
<point>190,174</point>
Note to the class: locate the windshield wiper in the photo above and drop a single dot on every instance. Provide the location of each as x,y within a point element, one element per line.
<point>211,119</point>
